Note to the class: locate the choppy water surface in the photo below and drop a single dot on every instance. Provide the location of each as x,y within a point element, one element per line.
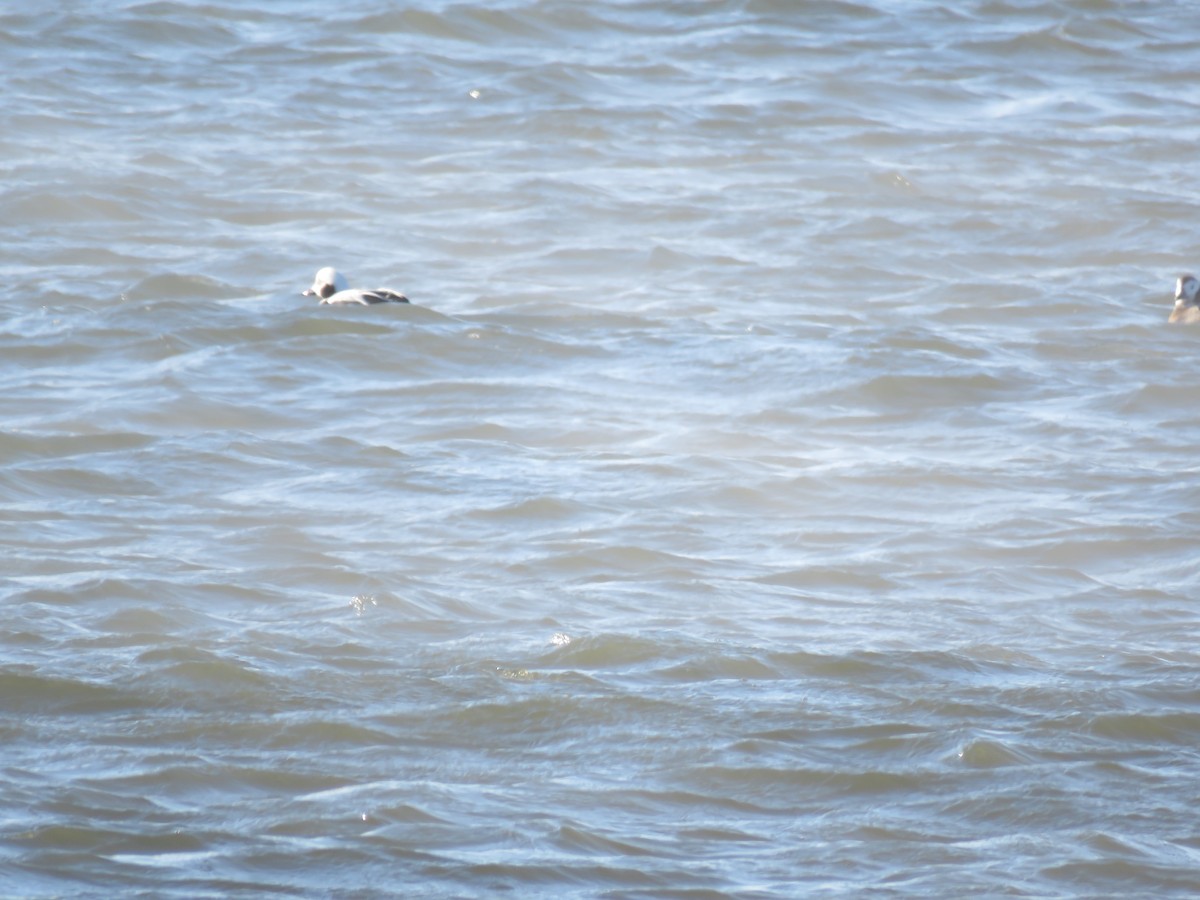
<point>783,484</point>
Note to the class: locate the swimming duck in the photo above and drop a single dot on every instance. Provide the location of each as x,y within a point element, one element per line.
<point>1187,301</point>
<point>331,287</point>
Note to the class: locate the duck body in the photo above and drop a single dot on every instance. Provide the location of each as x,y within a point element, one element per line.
<point>331,286</point>
<point>1187,301</point>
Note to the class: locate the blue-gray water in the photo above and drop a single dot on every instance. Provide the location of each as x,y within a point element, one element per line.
<point>784,482</point>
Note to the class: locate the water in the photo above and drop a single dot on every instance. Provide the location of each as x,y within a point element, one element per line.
<point>784,483</point>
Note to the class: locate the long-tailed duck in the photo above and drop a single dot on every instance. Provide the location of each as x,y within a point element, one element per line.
<point>331,287</point>
<point>1187,300</point>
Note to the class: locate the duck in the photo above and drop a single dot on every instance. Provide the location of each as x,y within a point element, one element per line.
<point>1187,301</point>
<point>331,286</point>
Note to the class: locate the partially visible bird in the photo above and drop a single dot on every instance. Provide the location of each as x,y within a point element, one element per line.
<point>1187,301</point>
